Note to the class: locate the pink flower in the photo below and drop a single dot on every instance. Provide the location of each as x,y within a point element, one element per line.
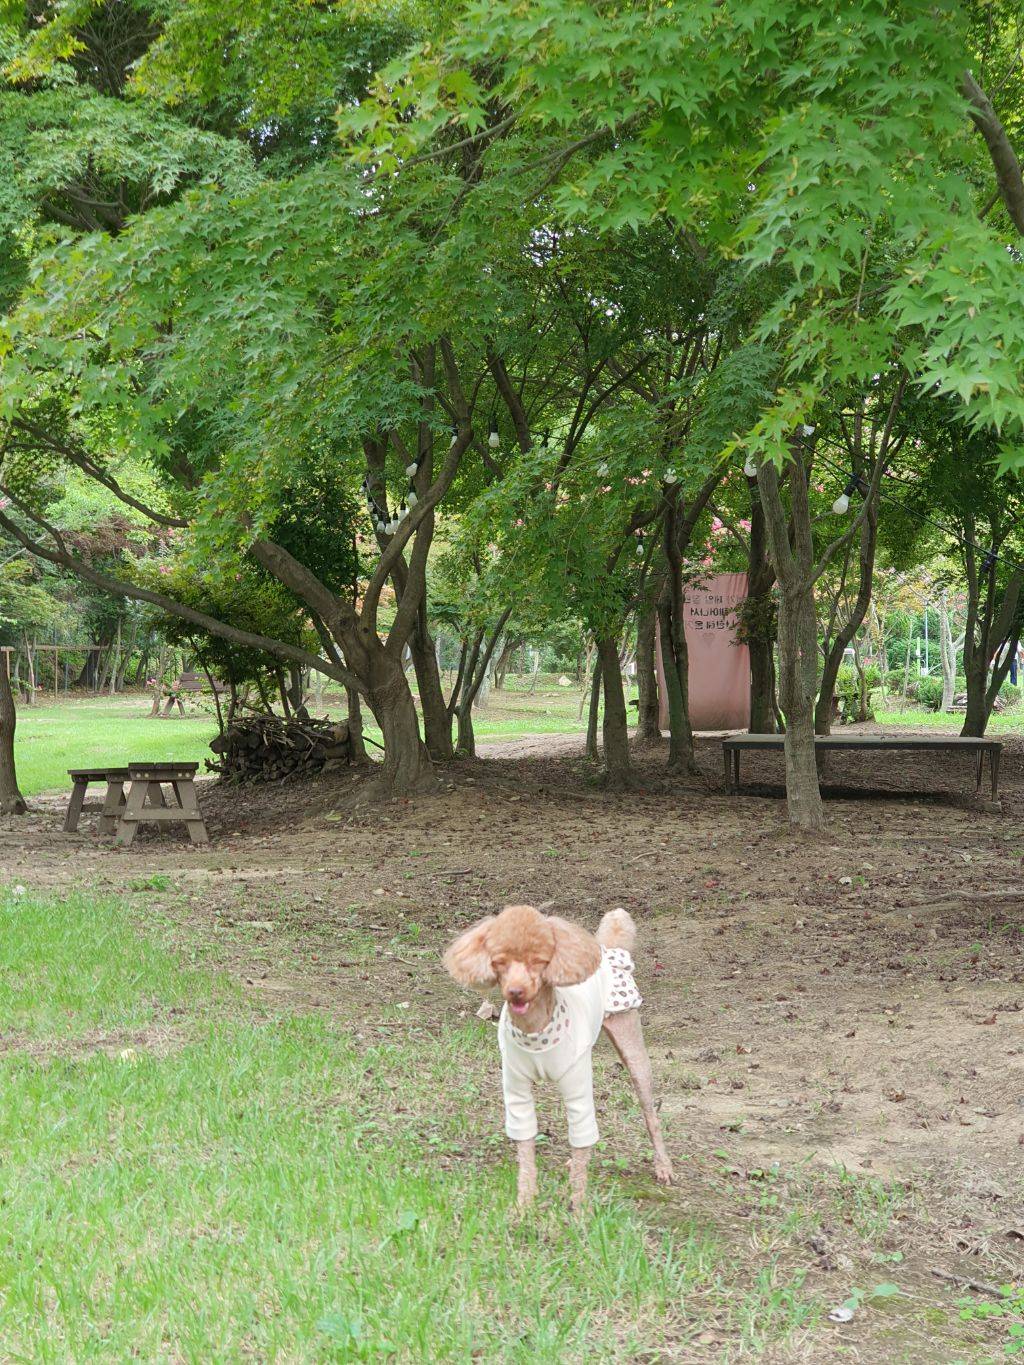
<point>744,523</point>
<point>165,568</point>
<point>520,521</point>
<point>607,488</point>
<point>646,473</point>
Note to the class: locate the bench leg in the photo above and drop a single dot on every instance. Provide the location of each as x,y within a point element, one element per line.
<point>113,804</point>
<point>129,821</point>
<point>727,756</point>
<point>189,804</point>
<point>75,806</point>
<point>993,768</point>
<point>980,768</point>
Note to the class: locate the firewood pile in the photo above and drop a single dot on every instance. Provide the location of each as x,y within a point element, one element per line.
<point>272,749</point>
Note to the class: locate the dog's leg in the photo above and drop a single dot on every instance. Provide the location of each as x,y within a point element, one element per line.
<point>526,1152</point>
<point>579,1160</point>
<point>627,1035</point>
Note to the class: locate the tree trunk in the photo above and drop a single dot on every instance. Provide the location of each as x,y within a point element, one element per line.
<point>648,710</point>
<point>356,743</point>
<point>854,621</point>
<point>759,621</point>
<point>30,666</point>
<point>976,717</point>
<point>947,652</point>
<point>675,658</point>
<point>798,668</point>
<point>614,726</point>
<point>437,722</point>
<point>11,800</point>
<point>595,707</point>
<point>793,562</point>
<point>406,768</point>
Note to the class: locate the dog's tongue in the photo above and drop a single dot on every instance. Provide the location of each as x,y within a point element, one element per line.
<point>517,1009</point>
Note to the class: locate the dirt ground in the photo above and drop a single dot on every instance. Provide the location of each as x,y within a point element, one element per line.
<point>854,1002</point>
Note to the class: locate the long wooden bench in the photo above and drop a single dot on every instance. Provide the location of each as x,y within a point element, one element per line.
<point>736,745</point>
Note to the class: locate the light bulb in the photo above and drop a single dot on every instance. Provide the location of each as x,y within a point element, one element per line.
<point>413,499</point>
<point>750,468</point>
<point>411,469</point>
<point>671,476</point>
<point>494,440</point>
<point>639,547</point>
<point>841,505</point>
<point>602,468</point>
<point>808,431</point>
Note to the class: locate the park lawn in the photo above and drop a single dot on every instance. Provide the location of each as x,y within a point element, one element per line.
<point>185,1177</point>
<point>76,733</point>
<point>49,739</point>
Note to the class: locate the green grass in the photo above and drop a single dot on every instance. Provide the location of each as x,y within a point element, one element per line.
<point>915,718</point>
<point>49,739</point>
<point>257,1189</point>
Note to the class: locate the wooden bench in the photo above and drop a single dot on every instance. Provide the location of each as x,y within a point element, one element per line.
<point>190,682</point>
<point>113,799</point>
<point>147,804</point>
<point>735,745</point>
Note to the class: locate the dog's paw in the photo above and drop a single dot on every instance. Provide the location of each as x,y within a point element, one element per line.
<point>663,1171</point>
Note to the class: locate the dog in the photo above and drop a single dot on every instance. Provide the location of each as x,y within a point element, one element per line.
<point>561,986</point>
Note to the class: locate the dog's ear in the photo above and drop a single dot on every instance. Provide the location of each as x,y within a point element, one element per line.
<point>468,960</point>
<point>577,954</point>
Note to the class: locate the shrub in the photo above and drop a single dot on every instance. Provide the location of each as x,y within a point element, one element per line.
<point>929,693</point>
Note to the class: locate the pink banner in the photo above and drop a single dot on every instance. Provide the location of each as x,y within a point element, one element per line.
<point>719,673</point>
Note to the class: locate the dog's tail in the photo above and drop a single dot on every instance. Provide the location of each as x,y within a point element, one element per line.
<point>617,930</point>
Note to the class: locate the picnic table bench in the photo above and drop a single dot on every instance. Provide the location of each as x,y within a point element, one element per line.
<point>735,745</point>
<point>145,802</point>
<point>113,800</point>
<point>190,681</point>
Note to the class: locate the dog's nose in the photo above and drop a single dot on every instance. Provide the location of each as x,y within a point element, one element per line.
<point>516,996</point>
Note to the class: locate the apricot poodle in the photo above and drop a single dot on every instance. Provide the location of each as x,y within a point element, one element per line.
<point>561,986</point>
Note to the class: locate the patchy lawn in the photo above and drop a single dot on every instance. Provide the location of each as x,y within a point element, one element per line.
<point>835,1026</point>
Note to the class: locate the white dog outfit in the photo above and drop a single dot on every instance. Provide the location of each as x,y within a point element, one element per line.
<point>562,1051</point>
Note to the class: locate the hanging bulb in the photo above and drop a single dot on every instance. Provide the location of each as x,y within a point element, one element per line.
<point>412,499</point>
<point>841,505</point>
<point>602,468</point>
<point>807,430</point>
<point>403,512</point>
<point>639,548</point>
<point>380,525</point>
<point>411,469</point>
<point>671,476</point>
<point>494,438</point>
<point>455,437</point>
<point>750,468</point>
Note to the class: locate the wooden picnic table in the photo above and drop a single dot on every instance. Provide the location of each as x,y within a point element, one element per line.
<point>735,745</point>
<point>146,803</point>
<point>113,801</point>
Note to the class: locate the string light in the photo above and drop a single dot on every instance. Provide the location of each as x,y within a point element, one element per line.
<point>494,436</point>
<point>671,477</point>
<point>750,468</point>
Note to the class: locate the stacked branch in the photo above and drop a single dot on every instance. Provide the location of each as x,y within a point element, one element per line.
<point>272,749</point>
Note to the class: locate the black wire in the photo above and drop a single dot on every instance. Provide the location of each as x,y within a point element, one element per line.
<point>922,516</point>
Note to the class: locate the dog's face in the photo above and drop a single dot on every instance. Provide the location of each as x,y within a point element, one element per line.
<point>522,951</point>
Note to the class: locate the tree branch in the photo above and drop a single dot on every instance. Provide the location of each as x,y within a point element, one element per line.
<point>119,588</point>
<point>1004,158</point>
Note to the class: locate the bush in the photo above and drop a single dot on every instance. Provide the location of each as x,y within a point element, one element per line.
<point>1011,694</point>
<point>847,692</point>
<point>929,693</point>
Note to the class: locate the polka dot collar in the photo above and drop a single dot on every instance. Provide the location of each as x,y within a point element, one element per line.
<point>553,1032</point>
